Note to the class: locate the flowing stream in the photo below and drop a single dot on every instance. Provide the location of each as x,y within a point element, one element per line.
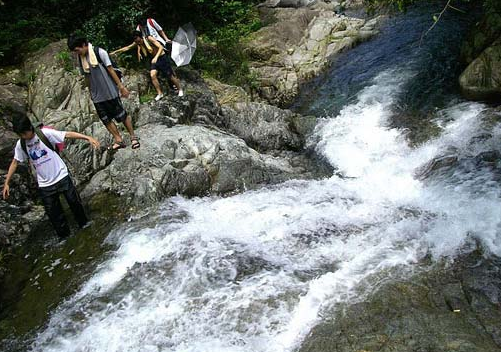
<point>256,271</point>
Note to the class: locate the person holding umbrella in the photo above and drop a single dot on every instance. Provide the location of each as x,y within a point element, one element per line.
<point>151,27</point>
<point>149,46</point>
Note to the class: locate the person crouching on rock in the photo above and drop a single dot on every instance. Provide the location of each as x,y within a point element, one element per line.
<point>38,146</point>
<point>105,89</point>
<point>159,62</point>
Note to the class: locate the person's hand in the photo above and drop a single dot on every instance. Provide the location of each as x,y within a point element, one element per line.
<point>154,60</point>
<point>123,91</point>
<point>6,192</point>
<point>94,142</point>
<point>139,57</point>
<point>169,41</point>
<point>113,53</point>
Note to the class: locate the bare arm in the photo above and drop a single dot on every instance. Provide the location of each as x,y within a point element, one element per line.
<point>121,87</point>
<point>76,135</point>
<point>12,170</point>
<point>159,46</point>
<point>139,56</point>
<point>124,49</point>
<point>162,33</point>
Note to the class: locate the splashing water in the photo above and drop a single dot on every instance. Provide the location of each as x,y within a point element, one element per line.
<point>256,271</point>
<point>253,272</point>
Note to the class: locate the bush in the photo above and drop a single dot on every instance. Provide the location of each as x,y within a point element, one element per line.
<point>29,25</point>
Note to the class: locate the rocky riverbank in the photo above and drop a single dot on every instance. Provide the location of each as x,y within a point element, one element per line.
<point>194,146</point>
<point>300,41</point>
<point>482,55</point>
<point>447,307</point>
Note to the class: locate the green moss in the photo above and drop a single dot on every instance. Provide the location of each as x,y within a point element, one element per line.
<point>41,276</point>
<point>146,98</point>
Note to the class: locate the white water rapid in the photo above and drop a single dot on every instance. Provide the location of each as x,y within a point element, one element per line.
<point>254,272</point>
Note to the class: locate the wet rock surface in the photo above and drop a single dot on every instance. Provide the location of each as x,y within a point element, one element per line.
<point>452,307</point>
<point>481,79</point>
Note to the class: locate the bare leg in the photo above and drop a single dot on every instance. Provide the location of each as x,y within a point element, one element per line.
<point>128,125</point>
<point>176,81</point>
<point>154,80</point>
<point>112,128</point>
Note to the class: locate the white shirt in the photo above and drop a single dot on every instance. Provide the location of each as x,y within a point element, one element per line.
<point>49,166</point>
<point>154,30</point>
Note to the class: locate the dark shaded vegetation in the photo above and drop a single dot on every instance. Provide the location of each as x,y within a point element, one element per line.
<point>28,25</point>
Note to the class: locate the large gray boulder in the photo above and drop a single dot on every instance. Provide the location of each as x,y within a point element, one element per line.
<point>481,80</point>
<point>188,160</point>
<point>265,127</point>
<point>298,45</point>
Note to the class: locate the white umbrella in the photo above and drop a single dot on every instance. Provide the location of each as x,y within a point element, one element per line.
<point>184,45</point>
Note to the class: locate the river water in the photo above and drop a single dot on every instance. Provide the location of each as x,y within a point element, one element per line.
<point>255,272</point>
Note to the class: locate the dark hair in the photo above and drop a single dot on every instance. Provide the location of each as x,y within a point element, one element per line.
<point>21,123</point>
<point>136,34</point>
<point>74,41</point>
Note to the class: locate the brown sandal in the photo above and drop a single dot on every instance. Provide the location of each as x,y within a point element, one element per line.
<point>115,146</point>
<point>135,142</point>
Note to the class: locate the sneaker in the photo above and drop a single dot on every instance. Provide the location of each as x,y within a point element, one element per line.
<point>158,97</point>
<point>181,93</point>
<point>87,225</point>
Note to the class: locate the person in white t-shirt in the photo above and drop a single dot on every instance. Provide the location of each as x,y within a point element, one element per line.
<point>151,27</point>
<point>51,171</point>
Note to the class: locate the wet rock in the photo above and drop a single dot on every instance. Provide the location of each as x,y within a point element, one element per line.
<point>436,165</point>
<point>491,156</point>
<point>19,214</point>
<point>263,127</point>
<point>455,308</point>
<point>486,31</point>
<point>481,79</point>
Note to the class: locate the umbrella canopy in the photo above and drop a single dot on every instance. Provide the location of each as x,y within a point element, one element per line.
<point>184,44</point>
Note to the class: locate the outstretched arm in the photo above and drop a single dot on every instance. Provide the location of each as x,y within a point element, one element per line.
<point>124,49</point>
<point>76,135</point>
<point>12,170</point>
<point>162,33</point>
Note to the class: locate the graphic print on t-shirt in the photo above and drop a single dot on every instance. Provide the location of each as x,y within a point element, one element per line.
<point>36,152</point>
<point>49,166</point>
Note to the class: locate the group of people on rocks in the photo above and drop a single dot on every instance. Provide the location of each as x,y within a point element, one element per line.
<point>40,145</point>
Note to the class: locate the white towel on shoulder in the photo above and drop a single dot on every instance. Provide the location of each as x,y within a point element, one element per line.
<point>92,59</point>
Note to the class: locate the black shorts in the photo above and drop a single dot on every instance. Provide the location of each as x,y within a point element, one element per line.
<point>163,66</point>
<point>111,109</point>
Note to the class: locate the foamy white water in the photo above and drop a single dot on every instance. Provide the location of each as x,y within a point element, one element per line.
<point>253,272</point>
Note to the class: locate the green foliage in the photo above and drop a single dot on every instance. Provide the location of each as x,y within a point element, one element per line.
<point>147,97</point>
<point>223,57</point>
<point>28,25</point>
<point>64,58</point>
<point>37,44</point>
